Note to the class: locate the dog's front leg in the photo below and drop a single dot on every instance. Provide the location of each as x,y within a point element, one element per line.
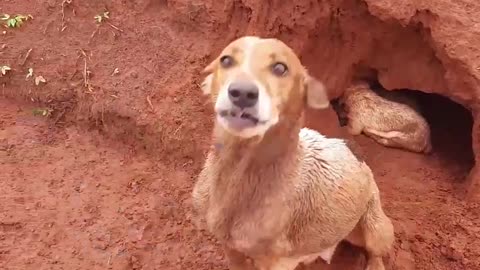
<point>238,260</point>
<point>200,198</point>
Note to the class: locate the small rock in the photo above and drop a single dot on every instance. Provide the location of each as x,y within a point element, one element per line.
<point>134,74</point>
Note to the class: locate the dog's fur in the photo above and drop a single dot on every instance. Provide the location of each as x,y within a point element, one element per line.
<point>277,195</point>
<point>390,118</point>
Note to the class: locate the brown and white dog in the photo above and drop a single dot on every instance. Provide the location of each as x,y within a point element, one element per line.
<point>388,117</point>
<point>273,193</point>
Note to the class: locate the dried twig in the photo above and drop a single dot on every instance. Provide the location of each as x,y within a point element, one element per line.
<point>177,129</point>
<point>46,27</point>
<point>114,27</point>
<point>149,101</point>
<point>26,57</point>
<point>94,33</point>
<point>86,73</point>
<point>59,116</point>
<point>64,4</point>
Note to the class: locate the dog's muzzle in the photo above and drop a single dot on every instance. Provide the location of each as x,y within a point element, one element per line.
<point>243,110</point>
<point>243,94</point>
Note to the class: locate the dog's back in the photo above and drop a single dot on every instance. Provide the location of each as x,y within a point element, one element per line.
<point>383,112</point>
<point>387,108</point>
<point>331,178</point>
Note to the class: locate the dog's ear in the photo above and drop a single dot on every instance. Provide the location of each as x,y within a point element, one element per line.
<point>317,97</point>
<point>210,68</point>
<point>206,85</point>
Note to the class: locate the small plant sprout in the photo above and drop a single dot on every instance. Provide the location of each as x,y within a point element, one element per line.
<point>16,21</point>
<point>4,70</point>
<point>102,17</point>
<point>42,112</point>
<point>39,79</point>
<point>115,71</point>
<point>29,74</point>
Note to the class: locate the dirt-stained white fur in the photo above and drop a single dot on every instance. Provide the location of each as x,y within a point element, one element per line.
<point>288,195</point>
<point>391,120</point>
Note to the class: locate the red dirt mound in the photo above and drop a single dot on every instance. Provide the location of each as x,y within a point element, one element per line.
<point>104,182</point>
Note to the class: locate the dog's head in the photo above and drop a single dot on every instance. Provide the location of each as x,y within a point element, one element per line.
<point>355,87</point>
<point>257,82</point>
<point>338,106</point>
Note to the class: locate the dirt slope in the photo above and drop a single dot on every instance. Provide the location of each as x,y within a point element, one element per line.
<point>421,45</point>
<point>75,200</point>
<point>155,125</point>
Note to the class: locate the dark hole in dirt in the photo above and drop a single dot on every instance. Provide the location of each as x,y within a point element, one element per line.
<point>450,124</point>
<point>451,127</point>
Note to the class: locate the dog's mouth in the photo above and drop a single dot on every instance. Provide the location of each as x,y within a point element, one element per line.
<point>239,119</point>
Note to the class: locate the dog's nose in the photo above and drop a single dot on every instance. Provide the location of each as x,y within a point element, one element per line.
<point>243,94</point>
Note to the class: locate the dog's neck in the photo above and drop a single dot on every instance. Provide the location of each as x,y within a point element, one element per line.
<point>248,174</point>
<point>279,142</point>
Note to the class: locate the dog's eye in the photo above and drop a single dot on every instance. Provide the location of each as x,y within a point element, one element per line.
<point>279,69</point>
<point>226,61</point>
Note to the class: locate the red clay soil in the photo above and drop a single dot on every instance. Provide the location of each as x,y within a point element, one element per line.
<point>72,199</point>
<point>104,182</point>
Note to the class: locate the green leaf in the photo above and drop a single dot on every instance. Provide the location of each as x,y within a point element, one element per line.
<point>42,111</point>
<point>11,23</point>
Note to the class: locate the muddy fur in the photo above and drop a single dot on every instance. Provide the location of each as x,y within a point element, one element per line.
<point>391,118</point>
<point>290,195</point>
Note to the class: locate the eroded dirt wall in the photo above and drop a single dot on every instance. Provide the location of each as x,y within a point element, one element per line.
<point>163,44</point>
<point>423,45</point>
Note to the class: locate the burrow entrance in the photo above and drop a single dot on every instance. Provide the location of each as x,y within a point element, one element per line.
<point>451,127</point>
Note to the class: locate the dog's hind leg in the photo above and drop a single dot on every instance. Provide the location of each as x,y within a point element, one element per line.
<point>396,139</point>
<point>391,139</point>
<point>380,140</point>
<point>387,135</point>
<point>354,126</point>
<point>374,232</point>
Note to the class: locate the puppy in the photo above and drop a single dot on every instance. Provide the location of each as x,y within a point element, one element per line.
<point>390,118</point>
<point>275,194</point>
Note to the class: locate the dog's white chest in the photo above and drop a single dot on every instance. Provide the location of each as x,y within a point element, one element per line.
<point>251,231</point>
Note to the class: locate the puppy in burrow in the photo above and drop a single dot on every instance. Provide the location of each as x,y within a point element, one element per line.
<point>390,118</point>
<point>275,194</point>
